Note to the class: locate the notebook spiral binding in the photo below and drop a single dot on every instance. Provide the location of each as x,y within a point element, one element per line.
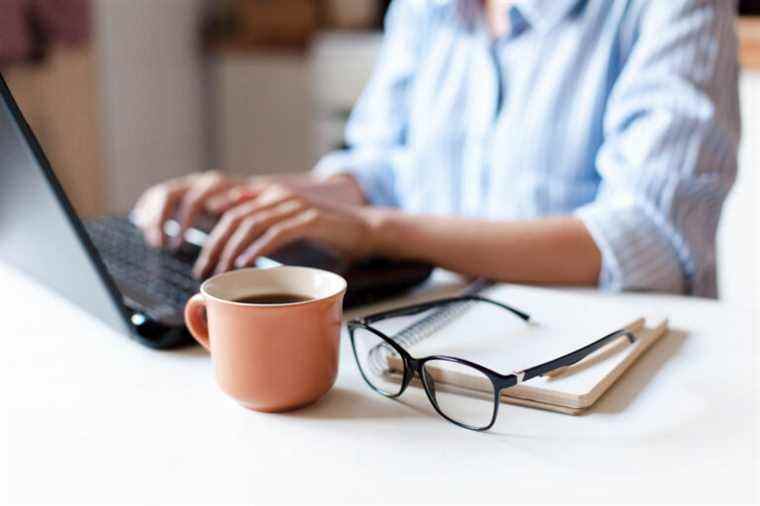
<point>429,325</point>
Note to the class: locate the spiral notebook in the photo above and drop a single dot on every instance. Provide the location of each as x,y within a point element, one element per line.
<point>561,321</point>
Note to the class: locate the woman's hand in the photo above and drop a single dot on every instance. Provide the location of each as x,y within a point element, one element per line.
<point>188,196</point>
<point>280,214</point>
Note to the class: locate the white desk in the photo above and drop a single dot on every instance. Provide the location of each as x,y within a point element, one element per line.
<point>95,417</point>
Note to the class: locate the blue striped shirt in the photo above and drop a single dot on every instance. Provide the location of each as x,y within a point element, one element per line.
<point>623,113</point>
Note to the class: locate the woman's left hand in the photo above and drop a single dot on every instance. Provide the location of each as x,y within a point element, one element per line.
<point>280,215</point>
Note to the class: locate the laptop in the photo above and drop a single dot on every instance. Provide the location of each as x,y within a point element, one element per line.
<point>104,265</point>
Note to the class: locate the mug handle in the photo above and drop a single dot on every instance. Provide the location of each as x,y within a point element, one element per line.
<point>195,318</point>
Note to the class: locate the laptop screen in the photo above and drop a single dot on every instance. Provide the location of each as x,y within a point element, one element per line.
<point>40,233</point>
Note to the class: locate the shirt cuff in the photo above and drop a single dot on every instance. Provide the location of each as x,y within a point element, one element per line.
<point>636,254</point>
<point>372,172</point>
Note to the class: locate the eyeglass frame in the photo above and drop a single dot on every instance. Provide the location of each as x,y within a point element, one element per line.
<point>499,381</point>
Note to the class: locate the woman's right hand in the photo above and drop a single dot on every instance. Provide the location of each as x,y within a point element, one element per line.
<point>187,197</point>
<point>184,198</point>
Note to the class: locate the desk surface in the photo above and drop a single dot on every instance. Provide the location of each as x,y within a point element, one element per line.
<point>95,417</point>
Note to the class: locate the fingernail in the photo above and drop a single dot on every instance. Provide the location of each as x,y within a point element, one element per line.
<point>241,261</point>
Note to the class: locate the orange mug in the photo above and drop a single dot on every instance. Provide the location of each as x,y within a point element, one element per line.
<point>271,357</point>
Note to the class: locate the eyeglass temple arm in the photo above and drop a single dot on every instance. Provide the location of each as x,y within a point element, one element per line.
<point>578,355</point>
<point>419,308</point>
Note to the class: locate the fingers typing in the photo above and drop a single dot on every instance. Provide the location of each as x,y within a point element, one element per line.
<point>243,224</point>
<point>299,226</point>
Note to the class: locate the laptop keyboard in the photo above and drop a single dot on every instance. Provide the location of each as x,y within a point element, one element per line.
<point>156,281</point>
<point>159,283</point>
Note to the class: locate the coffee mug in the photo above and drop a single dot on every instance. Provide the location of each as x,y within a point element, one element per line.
<point>271,357</point>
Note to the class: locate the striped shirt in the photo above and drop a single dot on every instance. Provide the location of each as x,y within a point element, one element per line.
<point>623,113</point>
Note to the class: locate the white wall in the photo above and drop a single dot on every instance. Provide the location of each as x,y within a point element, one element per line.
<point>342,63</point>
<point>153,96</point>
<point>738,251</point>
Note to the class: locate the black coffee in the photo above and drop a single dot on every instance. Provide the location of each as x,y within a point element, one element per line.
<point>272,298</point>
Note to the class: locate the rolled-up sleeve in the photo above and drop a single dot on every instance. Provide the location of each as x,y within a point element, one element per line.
<point>376,129</point>
<point>669,155</point>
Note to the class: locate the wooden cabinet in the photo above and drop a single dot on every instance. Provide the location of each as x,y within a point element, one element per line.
<point>749,42</point>
<point>261,112</point>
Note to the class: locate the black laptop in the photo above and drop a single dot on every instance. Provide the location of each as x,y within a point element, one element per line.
<point>105,266</point>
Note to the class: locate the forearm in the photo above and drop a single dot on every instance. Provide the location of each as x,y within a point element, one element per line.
<point>548,250</point>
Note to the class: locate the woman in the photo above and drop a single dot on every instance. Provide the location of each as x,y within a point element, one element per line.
<point>550,141</point>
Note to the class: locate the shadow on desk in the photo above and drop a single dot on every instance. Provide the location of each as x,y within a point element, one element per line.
<point>627,388</point>
<point>344,404</point>
<point>193,351</point>
<point>635,380</point>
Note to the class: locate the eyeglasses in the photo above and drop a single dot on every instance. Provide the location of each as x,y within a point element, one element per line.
<point>388,368</point>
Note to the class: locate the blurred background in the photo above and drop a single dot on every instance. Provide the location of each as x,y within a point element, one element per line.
<point>125,93</point>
